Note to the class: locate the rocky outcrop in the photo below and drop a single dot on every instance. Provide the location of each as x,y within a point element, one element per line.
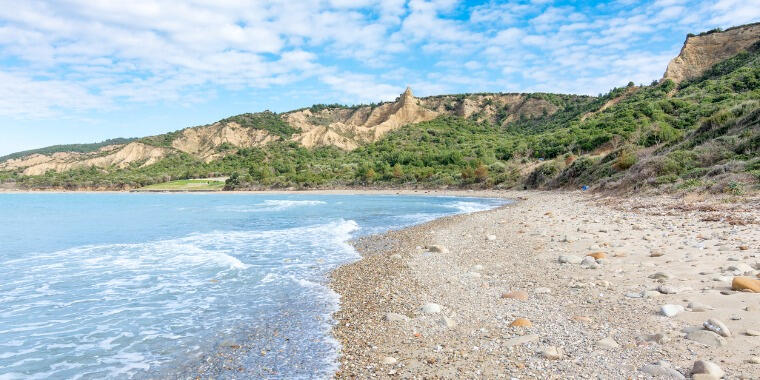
<point>493,108</point>
<point>347,128</point>
<point>705,50</point>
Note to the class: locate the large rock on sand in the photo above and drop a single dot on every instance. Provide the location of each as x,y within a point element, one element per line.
<point>746,283</point>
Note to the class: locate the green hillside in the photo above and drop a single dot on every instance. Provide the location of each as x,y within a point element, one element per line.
<point>703,134</point>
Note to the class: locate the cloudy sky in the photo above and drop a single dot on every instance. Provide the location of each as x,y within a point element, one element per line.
<point>87,70</point>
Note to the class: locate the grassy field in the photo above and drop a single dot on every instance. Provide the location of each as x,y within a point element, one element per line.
<point>210,184</point>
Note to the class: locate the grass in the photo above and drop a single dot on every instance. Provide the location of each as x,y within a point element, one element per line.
<point>187,185</point>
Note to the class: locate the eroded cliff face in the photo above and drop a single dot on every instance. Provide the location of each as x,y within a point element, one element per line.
<point>113,155</point>
<point>347,128</point>
<point>703,51</point>
<point>204,142</point>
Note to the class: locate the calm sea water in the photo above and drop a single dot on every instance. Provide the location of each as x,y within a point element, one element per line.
<point>99,286</point>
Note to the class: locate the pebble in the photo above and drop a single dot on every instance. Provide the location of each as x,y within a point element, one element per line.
<point>570,259</point>
<point>520,340</point>
<point>431,308</point>
<point>671,310</point>
<point>754,360</point>
<point>661,371</point>
<point>667,289</point>
<point>491,237</point>
<point>521,322</point>
<point>588,261</point>
<point>552,353</point>
<point>717,327</point>
<point>389,360</point>
<point>746,283</point>
<point>518,295</point>
<point>751,332</point>
<point>698,307</point>
<point>741,269</point>
<point>542,290</point>
<point>437,249</point>
<point>661,276</point>
<point>396,256</point>
<point>477,268</point>
<point>395,317</point>
<point>607,343</point>
<point>448,322</point>
<point>707,367</point>
<point>705,337</point>
<point>655,253</point>
<point>598,255</point>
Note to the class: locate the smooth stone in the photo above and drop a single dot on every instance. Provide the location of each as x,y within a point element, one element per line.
<point>477,268</point>
<point>552,353</point>
<point>633,295</point>
<point>448,322</point>
<point>389,360</point>
<point>607,343</point>
<point>754,360</point>
<point>660,276</point>
<point>395,317</point>
<point>570,259</point>
<point>650,294</point>
<point>521,322</point>
<point>542,290</point>
<point>717,327</point>
<point>655,253</point>
<point>598,255</point>
<point>707,338</point>
<point>698,307</point>
<point>752,332</point>
<point>667,289</point>
<point>661,371</point>
<point>671,310</point>
<point>518,295</point>
<point>741,269</point>
<point>707,367</point>
<point>746,283</point>
<point>521,340</point>
<point>588,261</point>
<point>491,237</point>
<point>431,308</point>
<point>396,256</point>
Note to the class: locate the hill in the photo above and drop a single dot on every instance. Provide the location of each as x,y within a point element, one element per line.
<point>696,129</point>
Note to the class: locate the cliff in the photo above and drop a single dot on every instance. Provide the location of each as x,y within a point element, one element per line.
<point>700,52</point>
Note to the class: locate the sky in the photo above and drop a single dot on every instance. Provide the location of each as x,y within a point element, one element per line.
<point>75,71</point>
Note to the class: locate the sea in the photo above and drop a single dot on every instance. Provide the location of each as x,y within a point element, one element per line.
<point>142,286</point>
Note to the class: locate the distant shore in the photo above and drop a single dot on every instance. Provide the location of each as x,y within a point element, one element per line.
<point>437,300</point>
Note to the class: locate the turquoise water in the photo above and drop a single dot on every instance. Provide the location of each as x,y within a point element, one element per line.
<point>97,286</point>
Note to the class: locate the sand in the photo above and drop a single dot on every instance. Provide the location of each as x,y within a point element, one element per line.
<point>601,319</point>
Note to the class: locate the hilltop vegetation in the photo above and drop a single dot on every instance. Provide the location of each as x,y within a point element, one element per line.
<point>78,148</point>
<point>701,134</point>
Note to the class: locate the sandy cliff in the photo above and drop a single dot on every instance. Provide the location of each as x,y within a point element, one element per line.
<point>703,51</point>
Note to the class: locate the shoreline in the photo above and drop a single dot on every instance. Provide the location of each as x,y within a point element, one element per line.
<point>603,318</point>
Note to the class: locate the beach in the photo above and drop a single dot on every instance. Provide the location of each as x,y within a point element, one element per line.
<point>512,292</point>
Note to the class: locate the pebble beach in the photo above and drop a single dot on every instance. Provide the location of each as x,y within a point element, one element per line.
<point>559,285</point>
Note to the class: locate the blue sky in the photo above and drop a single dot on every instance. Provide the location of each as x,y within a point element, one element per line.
<point>83,71</point>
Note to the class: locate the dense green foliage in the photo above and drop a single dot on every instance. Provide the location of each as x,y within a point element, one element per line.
<point>701,134</point>
<point>79,148</point>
